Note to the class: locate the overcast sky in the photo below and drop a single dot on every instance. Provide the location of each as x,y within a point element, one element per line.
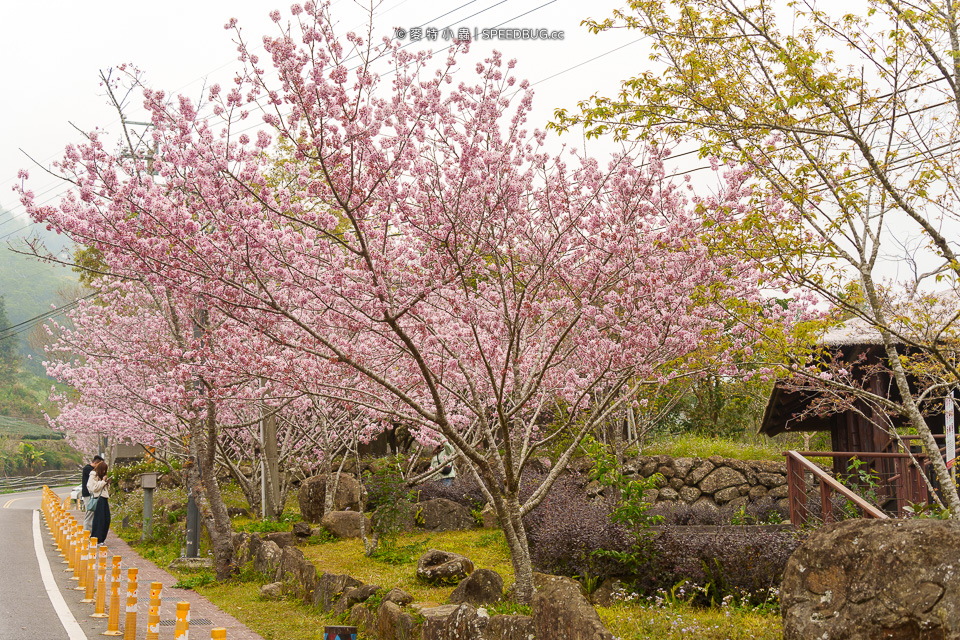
<point>52,53</point>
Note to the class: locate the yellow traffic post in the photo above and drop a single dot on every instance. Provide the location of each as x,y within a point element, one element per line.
<point>130,623</point>
<point>113,622</point>
<point>100,611</point>
<point>91,579</point>
<point>182,630</point>
<point>82,569</point>
<point>73,547</point>
<point>153,616</point>
<point>77,546</point>
<point>218,634</point>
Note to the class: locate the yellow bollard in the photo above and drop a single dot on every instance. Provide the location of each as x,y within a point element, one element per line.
<point>77,546</point>
<point>82,565</point>
<point>130,623</point>
<point>58,534</point>
<point>153,616</point>
<point>91,584</point>
<point>218,634</point>
<point>73,543</point>
<point>182,630</point>
<point>113,622</point>
<point>101,609</point>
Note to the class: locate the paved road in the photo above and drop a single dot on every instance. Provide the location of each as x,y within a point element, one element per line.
<point>36,608</point>
<point>27,610</point>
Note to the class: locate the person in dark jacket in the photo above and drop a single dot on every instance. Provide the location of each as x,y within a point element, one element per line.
<point>99,486</point>
<point>85,494</point>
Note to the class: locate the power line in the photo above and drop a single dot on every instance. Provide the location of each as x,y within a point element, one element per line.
<point>26,325</point>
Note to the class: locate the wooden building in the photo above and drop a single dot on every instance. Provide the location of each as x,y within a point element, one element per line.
<point>861,430</point>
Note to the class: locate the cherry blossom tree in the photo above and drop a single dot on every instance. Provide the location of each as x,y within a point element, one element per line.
<point>422,242</point>
<point>141,373</point>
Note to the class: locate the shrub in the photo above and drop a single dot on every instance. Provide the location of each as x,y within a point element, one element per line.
<point>763,511</point>
<point>384,484</point>
<point>464,490</point>
<point>567,527</point>
<point>744,563</point>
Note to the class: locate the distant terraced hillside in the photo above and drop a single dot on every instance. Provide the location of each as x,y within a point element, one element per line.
<point>19,429</point>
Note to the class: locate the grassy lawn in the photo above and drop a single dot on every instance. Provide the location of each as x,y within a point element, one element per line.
<point>694,446</point>
<point>683,622</point>
<point>397,567</point>
<point>274,620</point>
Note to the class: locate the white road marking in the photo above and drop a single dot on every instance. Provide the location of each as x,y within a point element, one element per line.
<point>70,624</point>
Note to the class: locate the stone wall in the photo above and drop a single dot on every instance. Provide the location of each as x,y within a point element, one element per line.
<point>713,481</point>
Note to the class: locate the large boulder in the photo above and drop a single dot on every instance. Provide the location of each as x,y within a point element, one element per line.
<point>503,627</point>
<point>451,622</point>
<point>893,579</point>
<point>298,575</point>
<point>281,538</point>
<point>272,591</point>
<point>346,524</point>
<point>482,587</point>
<point>443,567</point>
<point>354,595</point>
<point>267,560</point>
<point>441,514</point>
<point>313,492</point>
<point>561,611</point>
<point>488,517</point>
<point>330,586</point>
<point>607,593</point>
<point>395,624</point>
<point>398,597</point>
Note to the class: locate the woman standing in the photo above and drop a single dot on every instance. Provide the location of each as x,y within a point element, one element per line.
<point>99,486</point>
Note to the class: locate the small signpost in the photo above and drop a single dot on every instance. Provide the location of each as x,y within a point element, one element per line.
<point>149,482</point>
<point>193,527</point>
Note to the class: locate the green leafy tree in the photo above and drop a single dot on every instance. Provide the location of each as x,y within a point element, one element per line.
<point>847,123</point>
<point>9,359</point>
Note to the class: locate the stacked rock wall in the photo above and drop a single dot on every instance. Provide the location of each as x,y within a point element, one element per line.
<point>712,481</point>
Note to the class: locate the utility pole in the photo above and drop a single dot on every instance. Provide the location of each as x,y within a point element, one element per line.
<point>269,466</point>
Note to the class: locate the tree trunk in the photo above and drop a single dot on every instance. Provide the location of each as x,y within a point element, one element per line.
<point>930,446</point>
<point>202,480</point>
<point>508,510</point>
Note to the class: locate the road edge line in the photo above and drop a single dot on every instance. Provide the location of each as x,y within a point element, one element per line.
<point>69,622</point>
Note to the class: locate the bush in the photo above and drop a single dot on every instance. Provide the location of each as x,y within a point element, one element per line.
<point>763,511</point>
<point>464,490</point>
<point>567,528</point>
<point>385,487</point>
<point>744,563</point>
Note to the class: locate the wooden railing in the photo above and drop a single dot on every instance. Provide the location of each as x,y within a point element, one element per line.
<point>797,467</point>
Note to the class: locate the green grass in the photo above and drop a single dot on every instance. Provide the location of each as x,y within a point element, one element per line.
<point>346,556</point>
<point>694,446</point>
<point>684,622</point>
<point>274,620</point>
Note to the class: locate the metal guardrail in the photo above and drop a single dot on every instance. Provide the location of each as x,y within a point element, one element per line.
<point>57,478</point>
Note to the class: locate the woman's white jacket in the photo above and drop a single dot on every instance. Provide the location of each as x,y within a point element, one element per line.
<point>98,488</point>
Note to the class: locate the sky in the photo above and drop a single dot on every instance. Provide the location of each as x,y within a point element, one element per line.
<point>52,54</point>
